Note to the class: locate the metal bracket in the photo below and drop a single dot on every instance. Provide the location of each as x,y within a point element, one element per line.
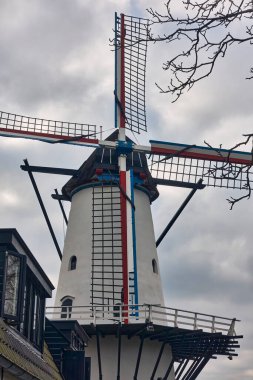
<point>27,168</point>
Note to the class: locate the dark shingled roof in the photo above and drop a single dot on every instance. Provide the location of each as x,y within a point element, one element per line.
<point>107,159</point>
<point>20,353</point>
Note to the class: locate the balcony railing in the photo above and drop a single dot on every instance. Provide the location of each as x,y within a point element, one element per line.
<point>105,314</point>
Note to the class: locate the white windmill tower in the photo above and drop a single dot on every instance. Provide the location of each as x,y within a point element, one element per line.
<point>109,278</point>
<point>98,236</point>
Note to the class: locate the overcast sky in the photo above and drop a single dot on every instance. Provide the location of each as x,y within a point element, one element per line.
<point>56,63</point>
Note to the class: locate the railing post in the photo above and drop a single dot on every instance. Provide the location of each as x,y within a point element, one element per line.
<point>176,316</point>
<point>148,318</point>
<point>231,330</point>
<point>94,315</point>
<point>145,311</point>
<point>213,325</point>
<point>195,321</point>
<point>120,313</point>
<point>150,313</point>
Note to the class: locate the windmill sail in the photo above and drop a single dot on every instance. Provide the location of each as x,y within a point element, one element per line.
<point>188,163</point>
<point>130,70</point>
<point>14,125</point>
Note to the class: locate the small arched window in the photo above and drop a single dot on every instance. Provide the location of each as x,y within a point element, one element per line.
<point>72,263</point>
<point>66,308</point>
<point>154,266</point>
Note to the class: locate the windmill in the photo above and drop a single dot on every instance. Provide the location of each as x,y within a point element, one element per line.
<point>109,278</point>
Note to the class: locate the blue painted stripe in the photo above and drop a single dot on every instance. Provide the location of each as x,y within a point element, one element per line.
<point>134,244</point>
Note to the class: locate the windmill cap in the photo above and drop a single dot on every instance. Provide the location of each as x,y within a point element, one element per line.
<point>104,161</point>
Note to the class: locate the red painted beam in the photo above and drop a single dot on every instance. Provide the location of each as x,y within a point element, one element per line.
<point>123,207</point>
<point>201,156</point>
<point>45,136</point>
<point>122,72</point>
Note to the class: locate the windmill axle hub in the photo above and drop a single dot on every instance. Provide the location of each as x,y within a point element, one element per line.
<point>124,147</point>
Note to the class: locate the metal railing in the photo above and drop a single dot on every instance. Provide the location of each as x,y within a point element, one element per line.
<point>145,313</point>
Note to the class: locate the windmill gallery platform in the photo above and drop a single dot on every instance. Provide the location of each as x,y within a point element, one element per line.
<point>109,320</point>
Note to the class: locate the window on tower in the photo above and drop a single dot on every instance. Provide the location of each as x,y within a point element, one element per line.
<point>154,266</point>
<point>66,307</point>
<point>72,263</point>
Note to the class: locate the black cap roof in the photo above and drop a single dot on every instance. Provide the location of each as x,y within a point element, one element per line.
<point>107,160</point>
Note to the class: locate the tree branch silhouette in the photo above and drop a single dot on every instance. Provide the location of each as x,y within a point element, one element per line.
<point>204,33</point>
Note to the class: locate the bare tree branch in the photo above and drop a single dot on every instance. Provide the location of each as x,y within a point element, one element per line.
<point>204,34</point>
<point>204,31</point>
<point>232,171</point>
